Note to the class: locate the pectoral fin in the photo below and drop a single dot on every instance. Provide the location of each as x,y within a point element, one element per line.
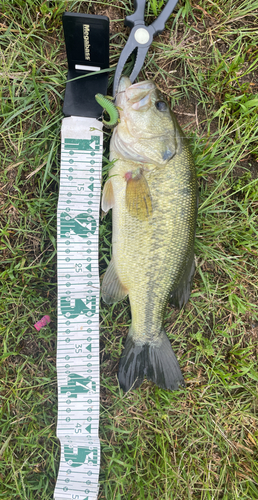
<point>137,196</point>
<point>112,289</point>
<point>108,199</point>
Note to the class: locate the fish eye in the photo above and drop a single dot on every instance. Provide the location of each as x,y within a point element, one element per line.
<point>161,105</point>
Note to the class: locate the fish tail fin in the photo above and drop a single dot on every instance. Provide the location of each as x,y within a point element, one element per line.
<point>156,361</point>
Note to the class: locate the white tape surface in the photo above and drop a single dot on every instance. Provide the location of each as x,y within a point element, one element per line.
<point>78,309</point>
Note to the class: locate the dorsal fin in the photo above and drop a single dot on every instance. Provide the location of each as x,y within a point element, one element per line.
<point>179,297</point>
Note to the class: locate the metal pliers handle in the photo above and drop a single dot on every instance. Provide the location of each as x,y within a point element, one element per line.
<point>140,38</point>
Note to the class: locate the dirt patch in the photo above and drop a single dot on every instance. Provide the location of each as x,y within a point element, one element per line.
<point>250,164</point>
<point>115,15</point>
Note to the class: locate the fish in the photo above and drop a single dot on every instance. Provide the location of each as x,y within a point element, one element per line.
<point>152,191</point>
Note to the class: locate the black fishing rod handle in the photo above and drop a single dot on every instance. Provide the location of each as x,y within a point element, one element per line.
<point>138,16</point>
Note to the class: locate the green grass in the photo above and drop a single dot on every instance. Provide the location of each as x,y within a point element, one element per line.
<point>199,443</point>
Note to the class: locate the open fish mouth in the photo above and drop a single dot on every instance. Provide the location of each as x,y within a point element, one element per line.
<point>138,95</point>
<point>146,84</point>
<point>125,84</point>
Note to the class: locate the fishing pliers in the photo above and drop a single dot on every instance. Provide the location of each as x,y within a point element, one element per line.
<point>140,37</point>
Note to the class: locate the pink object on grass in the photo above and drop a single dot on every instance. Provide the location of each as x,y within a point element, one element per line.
<point>43,322</point>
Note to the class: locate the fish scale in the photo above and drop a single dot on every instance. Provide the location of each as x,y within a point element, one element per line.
<point>166,271</point>
<point>154,213</point>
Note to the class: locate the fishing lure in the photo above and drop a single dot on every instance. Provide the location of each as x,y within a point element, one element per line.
<point>110,108</point>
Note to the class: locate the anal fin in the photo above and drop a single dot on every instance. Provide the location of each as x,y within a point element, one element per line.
<point>112,289</point>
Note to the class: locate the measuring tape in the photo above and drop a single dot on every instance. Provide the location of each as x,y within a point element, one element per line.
<point>78,308</point>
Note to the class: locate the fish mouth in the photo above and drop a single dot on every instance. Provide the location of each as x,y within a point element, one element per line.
<point>146,84</point>
<point>138,95</point>
<point>125,83</point>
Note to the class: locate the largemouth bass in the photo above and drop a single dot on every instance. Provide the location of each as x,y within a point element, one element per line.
<point>152,191</point>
